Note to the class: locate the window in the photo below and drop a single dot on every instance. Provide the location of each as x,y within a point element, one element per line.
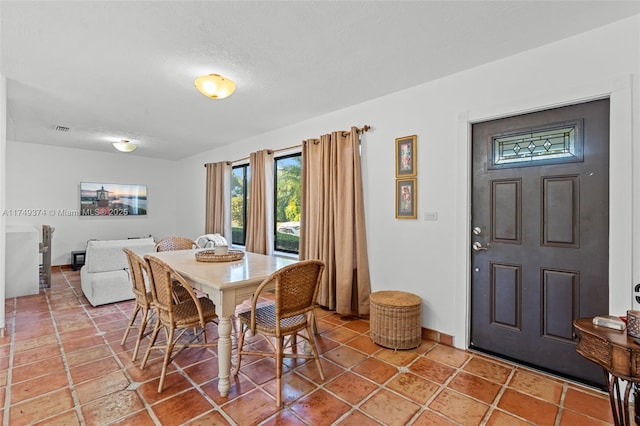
<point>287,203</point>
<point>239,197</point>
<point>287,194</point>
<point>561,143</point>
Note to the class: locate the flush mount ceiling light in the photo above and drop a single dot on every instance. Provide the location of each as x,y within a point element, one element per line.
<point>125,146</point>
<point>215,86</point>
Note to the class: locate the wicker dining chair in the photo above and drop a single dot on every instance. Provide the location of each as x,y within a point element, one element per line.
<point>296,288</point>
<point>175,243</point>
<point>138,270</point>
<point>172,244</point>
<point>176,318</point>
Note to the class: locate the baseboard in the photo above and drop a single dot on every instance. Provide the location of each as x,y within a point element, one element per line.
<point>437,336</point>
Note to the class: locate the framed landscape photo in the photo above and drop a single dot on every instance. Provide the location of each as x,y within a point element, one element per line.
<point>112,199</point>
<point>406,198</point>
<point>406,156</point>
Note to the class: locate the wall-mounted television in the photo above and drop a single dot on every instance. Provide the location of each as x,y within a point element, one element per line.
<point>112,199</point>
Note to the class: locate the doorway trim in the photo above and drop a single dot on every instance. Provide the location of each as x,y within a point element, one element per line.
<point>621,202</point>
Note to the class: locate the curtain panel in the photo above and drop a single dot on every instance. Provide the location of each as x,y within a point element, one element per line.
<point>332,221</point>
<point>218,199</point>
<point>259,230</point>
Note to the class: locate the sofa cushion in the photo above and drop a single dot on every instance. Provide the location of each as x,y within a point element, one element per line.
<point>107,255</point>
<point>106,287</point>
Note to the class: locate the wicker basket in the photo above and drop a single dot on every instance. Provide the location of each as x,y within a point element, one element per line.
<point>211,256</point>
<point>395,319</point>
<point>633,323</point>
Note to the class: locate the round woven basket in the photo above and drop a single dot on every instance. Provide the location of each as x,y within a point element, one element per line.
<point>395,319</point>
<point>211,256</point>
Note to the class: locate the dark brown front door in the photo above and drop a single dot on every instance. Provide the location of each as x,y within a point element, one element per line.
<point>540,232</point>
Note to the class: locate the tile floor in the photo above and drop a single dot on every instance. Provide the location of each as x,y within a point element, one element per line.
<point>62,364</point>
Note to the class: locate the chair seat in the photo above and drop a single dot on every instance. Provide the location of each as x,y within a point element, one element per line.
<point>185,314</point>
<point>266,320</point>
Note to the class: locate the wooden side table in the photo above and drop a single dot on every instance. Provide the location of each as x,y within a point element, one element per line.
<point>77,259</point>
<point>619,356</point>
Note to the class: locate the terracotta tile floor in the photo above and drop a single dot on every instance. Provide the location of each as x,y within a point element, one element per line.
<point>62,364</point>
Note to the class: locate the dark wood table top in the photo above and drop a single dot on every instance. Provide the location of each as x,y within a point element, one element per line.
<point>616,337</point>
<point>613,349</point>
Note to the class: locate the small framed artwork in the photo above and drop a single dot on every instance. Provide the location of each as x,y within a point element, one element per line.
<point>406,156</point>
<point>406,198</point>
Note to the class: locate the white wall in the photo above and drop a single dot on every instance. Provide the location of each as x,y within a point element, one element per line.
<point>431,258</point>
<point>48,178</point>
<point>3,183</point>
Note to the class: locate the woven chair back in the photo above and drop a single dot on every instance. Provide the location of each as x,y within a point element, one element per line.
<point>296,287</point>
<point>161,283</point>
<point>175,243</point>
<point>138,270</point>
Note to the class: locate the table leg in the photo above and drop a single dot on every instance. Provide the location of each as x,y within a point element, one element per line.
<point>620,405</point>
<point>636,399</point>
<point>224,355</point>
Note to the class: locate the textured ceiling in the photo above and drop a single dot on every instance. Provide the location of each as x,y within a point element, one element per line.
<point>125,70</point>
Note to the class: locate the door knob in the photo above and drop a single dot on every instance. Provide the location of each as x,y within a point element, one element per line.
<point>477,246</point>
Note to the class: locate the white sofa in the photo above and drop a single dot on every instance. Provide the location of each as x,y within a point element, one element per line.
<point>105,275</point>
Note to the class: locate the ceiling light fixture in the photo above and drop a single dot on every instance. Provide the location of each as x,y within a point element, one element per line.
<point>215,86</point>
<point>125,146</point>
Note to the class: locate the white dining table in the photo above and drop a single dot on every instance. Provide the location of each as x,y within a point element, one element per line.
<point>228,284</point>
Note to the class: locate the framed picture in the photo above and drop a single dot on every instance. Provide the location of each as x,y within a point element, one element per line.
<point>112,199</point>
<point>406,198</point>
<point>406,156</point>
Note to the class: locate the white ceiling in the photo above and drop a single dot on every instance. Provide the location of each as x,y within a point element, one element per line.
<point>124,70</point>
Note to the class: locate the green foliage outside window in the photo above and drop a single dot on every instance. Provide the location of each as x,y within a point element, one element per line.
<point>239,188</point>
<point>287,202</point>
<point>288,189</point>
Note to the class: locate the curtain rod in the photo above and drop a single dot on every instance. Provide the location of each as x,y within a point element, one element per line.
<point>271,151</point>
<point>362,129</point>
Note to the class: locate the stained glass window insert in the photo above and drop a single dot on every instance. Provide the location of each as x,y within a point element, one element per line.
<point>548,145</point>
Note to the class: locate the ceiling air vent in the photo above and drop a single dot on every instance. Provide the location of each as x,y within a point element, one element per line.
<point>62,129</point>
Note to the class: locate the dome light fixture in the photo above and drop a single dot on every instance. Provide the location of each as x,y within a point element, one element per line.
<point>215,86</point>
<point>125,146</point>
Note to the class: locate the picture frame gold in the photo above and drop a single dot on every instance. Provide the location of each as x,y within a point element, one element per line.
<point>406,156</point>
<point>406,198</point>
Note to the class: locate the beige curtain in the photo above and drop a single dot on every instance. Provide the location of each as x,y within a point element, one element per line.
<point>332,221</point>
<point>260,209</point>
<point>218,199</point>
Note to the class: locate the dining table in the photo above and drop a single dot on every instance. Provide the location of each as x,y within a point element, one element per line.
<point>228,284</point>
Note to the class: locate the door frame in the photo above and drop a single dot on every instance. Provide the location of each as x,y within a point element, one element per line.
<point>623,209</point>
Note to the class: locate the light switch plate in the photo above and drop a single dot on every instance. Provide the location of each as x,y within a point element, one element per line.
<point>431,216</point>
